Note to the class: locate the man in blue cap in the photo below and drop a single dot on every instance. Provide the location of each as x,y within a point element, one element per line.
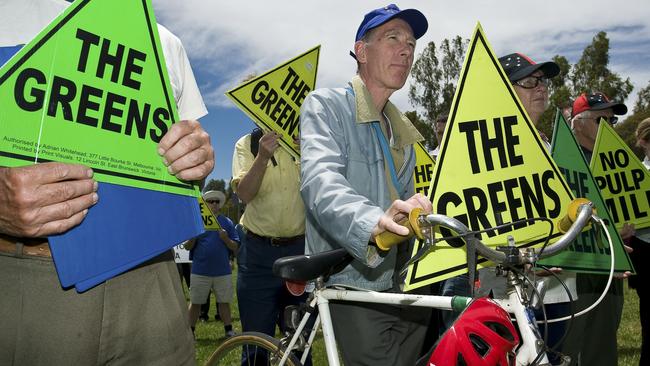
<point>357,162</point>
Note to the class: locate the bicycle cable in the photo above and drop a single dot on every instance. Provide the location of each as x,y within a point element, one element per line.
<point>609,280</point>
<point>571,305</point>
<point>532,285</point>
<point>602,295</point>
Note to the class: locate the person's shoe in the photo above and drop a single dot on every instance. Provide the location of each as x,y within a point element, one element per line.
<point>230,334</point>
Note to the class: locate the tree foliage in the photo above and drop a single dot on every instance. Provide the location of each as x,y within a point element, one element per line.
<point>643,101</point>
<point>422,126</point>
<point>437,69</point>
<point>592,72</point>
<point>435,73</point>
<point>215,185</point>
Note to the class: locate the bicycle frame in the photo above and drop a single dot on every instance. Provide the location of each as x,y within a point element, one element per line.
<point>530,336</point>
<point>516,303</point>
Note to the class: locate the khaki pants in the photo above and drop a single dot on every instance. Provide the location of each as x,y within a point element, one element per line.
<point>137,318</point>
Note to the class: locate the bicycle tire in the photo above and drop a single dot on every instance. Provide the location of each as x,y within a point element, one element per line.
<point>229,353</point>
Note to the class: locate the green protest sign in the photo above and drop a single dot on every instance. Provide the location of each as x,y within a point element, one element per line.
<point>86,90</point>
<point>590,251</point>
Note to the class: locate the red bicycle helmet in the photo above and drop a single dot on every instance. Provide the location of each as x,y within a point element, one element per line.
<point>483,335</point>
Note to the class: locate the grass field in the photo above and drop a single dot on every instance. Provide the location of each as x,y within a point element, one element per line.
<point>211,334</point>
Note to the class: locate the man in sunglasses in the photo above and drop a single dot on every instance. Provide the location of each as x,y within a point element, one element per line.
<point>530,81</point>
<point>587,112</point>
<point>211,270</point>
<point>597,329</point>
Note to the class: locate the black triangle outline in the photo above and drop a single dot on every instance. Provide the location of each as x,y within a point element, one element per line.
<point>29,53</point>
<point>413,279</point>
<point>232,92</point>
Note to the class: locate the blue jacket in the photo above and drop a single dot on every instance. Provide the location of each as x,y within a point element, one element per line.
<point>345,185</point>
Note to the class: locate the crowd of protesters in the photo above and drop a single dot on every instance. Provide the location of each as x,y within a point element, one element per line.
<point>353,181</point>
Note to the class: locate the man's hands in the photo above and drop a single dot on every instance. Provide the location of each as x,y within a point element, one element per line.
<point>51,198</point>
<point>45,199</point>
<point>223,234</point>
<point>186,151</point>
<point>250,184</point>
<point>268,144</point>
<point>397,212</point>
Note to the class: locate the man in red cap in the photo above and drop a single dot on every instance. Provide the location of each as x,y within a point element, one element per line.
<point>592,340</point>
<point>357,181</point>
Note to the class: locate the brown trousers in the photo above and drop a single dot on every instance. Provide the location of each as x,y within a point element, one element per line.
<point>137,318</point>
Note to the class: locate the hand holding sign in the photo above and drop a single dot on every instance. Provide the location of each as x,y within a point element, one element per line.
<point>268,144</point>
<point>186,151</point>
<point>45,199</point>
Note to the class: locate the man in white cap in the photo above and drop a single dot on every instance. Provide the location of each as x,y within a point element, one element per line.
<point>211,270</point>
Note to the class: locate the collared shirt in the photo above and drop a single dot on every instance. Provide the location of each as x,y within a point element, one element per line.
<point>345,183</point>
<point>277,209</point>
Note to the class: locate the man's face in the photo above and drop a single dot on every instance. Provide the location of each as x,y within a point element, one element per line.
<point>535,100</point>
<point>585,126</point>
<point>214,205</point>
<point>387,56</point>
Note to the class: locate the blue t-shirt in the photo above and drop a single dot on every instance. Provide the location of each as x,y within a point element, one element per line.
<point>210,255</point>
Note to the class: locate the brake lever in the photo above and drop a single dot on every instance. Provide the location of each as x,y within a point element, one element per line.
<point>426,232</point>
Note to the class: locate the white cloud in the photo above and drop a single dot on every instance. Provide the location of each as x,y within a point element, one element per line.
<point>231,39</point>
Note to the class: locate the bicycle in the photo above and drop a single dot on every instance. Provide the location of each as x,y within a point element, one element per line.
<point>318,267</point>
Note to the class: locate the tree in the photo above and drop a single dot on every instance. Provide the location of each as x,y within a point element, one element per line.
<point>422,126</point>
<point>215,185</point>
<point>592,73</point>
<point>627,129</point>
<point>643,100</point>
<point>435,73</point>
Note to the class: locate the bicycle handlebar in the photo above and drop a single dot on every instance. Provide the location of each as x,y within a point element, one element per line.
<point>584,214</point>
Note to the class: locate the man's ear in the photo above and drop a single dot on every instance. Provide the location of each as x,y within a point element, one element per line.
<point>360,51</point>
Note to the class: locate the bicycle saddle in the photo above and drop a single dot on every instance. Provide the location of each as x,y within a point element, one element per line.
<point>310,266</point>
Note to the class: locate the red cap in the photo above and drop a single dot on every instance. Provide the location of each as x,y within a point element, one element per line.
<point>596,102</point>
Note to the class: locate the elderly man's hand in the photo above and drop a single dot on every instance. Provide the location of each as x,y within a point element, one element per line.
<point>398,211</point>
<point>45,199</point>
<point>186,151</point>
<point>268,144</point>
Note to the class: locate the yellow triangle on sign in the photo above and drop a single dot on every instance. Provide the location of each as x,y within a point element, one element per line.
<point>492,169</point>
<point>273,99</point>
<point>210,222</point>
<point>423,169</point>
<point>622,179</point>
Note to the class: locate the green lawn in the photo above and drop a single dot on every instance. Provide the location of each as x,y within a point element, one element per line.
<point>209,335</point>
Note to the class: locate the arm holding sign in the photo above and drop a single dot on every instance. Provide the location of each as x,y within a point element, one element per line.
<point>250,183</point>
<point>45,199</point>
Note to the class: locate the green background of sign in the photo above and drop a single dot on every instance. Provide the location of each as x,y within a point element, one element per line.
<point>578,257</point>
<point>55,52</point>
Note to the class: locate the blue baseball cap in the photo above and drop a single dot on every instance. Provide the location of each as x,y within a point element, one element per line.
<point>377,17</point>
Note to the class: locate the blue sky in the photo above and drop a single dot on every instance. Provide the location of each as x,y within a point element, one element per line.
<point>227,40</point>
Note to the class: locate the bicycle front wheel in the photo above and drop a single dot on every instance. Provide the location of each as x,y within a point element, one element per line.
<point>250,349</point>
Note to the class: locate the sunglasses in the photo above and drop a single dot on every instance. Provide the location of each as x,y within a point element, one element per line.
<point>611,120</point>
<point>213,201</point>
<point>531,82</point>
